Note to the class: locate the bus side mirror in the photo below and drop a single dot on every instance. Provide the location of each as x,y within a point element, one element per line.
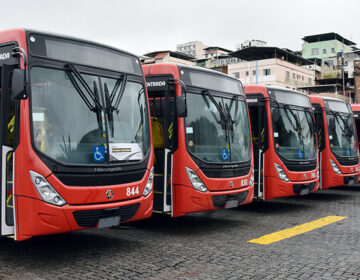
<point>18,85</point>
<point>332,124</point>
<point>276,115</point>
<point>181,108</point>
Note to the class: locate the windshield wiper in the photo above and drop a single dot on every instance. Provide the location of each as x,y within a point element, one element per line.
<point>223,119</point>
<point>109,109</point>
<point>120,95</point>
<point>347,131</point>
<point>228,109</point>
<point>71,72</point>
<point>297,122</point>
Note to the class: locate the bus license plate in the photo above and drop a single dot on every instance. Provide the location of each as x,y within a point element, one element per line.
<point>304,191</point>
<point>109,222</point>
<point>231,204</point>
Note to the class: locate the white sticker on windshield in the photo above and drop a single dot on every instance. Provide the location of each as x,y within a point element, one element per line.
<point>330,137</point>
<point>38,117</point>
<point>125,151</point>
<point>276,134</point>
<point>189,130</point>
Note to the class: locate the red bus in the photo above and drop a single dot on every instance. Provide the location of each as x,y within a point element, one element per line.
<point>338,143</point>
<point>75,135</point>
<point>284,140</point>
<point>205,159</point>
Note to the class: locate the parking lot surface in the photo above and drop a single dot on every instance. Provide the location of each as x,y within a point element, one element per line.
<point>211,245</point>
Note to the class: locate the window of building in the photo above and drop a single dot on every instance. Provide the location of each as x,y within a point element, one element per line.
<point>267,72</point>
<point>293,75</point>
<point>332,50</point>
<point>298,76</point>
<point>315,51</point>
<point>254,72</point>
<point>237,75</point>
<point>324,51</point>
<point>287,75</point>
<point>328,63</point>
<point>247,73</point>
<point>309,81</point>
<point>302,77</point>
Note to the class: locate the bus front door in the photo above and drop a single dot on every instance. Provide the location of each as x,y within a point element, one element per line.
<point>7,132</point>
<point>164,130</point>
<point>257,112</point>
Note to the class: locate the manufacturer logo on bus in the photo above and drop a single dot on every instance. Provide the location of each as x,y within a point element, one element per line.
<point>231,184</point>
<point>109,194</point>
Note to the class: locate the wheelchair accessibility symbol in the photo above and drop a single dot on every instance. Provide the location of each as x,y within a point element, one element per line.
<point>99,153</point>
<point>301,154</point>
<point>225,154</point>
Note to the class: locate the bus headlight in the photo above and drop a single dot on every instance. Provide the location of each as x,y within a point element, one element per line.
<point>281,173</point>
<point>45,190</point>
<point>195,180</point>
<point>149,183</point>
<point>335,167</point>
<point>252,177</point>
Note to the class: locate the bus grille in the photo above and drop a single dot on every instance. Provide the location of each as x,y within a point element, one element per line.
<point>297,188</point>
<point>349,180</point>
<point>90,218</point>
<point>219,201</point>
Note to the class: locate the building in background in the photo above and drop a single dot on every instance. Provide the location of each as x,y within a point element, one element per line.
<point>271,66</point>
<point>250,43</point>
<point>217,58</point>
<point>336,56</point>
<point>322,46</point>
<point>167,57</point>
<point>193,48</point>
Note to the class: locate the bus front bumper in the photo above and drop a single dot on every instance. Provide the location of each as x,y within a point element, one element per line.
<point>275,187</point>
<point>337,180</point>
<point>35,217</point>
<point>189,200</point>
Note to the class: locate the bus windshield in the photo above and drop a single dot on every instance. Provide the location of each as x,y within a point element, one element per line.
<point>294,132</point>
<point>73,127</point>
<point>217,128</point>
<point>342,135</point>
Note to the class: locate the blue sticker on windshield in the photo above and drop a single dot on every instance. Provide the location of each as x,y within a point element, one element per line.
<point>225,154</point>
<point>348,151</point>
<point>301,154</point>
<point>99,153</point>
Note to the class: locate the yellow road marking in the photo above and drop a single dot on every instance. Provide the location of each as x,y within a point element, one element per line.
<point>290,232</point>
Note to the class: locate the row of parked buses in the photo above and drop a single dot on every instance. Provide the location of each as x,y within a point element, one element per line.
<point>87,142</point>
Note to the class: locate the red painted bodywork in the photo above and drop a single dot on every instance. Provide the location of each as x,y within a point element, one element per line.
<point>329,177</point>
<point>185,198</point>
<point>273,186</point>
<point>35,217</point>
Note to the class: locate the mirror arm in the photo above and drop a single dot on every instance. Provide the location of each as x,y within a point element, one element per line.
<point>17,51</point>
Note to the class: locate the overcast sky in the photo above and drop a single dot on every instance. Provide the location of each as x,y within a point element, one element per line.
<point>141,26</point>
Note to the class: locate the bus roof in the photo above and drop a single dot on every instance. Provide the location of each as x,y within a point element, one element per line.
<point>57,35</point>
<point>253,89</point>
<point>170,67</point>
<point>321,99</point>
<point>355,107</point>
